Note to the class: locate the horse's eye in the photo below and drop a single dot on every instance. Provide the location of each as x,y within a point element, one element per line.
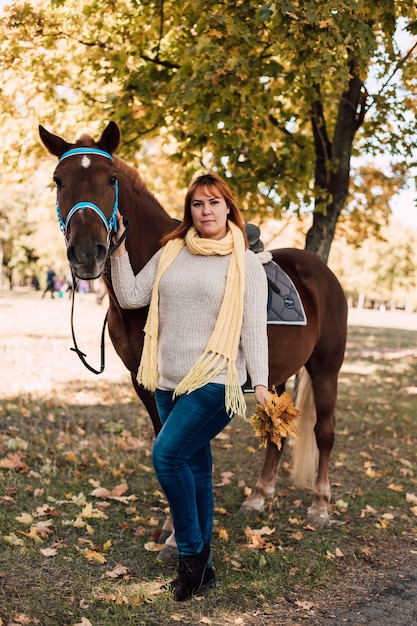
<point>113,181</point>
<point>58,182</point>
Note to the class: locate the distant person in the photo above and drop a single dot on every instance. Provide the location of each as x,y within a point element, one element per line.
<point>58,283</point>
<point>69,284</point>
<point>50,282</point>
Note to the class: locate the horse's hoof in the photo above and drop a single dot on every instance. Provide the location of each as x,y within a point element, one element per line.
<point>248,511</point>
<point>164,535</point>
<point>318,519</point>
<point>168,554</point>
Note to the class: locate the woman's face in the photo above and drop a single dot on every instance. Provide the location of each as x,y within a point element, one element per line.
<point>209,213</point>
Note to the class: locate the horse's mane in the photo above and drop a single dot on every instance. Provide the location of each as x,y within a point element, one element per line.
<point>132,174</point>
<point>128,170</point>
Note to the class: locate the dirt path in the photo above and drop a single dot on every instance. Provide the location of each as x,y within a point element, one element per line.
<point>35,342</point>
<point>383,319</point>
<point>391,603</point>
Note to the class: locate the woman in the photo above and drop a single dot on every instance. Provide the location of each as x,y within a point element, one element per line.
<point>206,330</point>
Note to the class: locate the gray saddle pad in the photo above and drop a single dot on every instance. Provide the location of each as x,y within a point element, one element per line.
<point>284,302</point>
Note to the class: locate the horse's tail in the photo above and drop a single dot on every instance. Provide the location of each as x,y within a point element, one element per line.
<point>304,447</point>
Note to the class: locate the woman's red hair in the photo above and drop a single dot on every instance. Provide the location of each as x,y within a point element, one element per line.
<point>216,186</point>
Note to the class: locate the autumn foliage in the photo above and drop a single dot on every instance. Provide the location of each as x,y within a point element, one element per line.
<point>274,420</point>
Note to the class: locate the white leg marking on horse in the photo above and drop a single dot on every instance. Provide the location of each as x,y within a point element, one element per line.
<point>85,161</point>
<point>255,503</point>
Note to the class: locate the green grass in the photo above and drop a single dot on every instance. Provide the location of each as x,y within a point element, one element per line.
<point>60,545</point>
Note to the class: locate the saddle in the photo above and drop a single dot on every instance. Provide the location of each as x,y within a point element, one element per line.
<point>284,302</point>
<point>253,235</point>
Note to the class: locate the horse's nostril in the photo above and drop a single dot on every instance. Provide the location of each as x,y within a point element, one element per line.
<point>87,254</point>
<point>101,252</point>
<point>71,256</point>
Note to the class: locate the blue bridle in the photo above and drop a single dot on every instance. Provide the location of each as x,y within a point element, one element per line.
<point>110,224</point>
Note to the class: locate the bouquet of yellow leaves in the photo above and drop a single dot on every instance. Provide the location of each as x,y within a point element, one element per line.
<point>274,420</point>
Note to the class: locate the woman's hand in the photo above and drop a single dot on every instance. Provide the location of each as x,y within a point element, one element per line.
<point>261,395</point>
<point>121,250</point>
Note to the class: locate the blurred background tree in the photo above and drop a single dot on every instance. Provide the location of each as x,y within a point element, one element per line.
<point>381,273</point>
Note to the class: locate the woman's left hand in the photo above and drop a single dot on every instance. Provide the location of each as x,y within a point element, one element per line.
<point>121,250</point>
<point>261,395</point>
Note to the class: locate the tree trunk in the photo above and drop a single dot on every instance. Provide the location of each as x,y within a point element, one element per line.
<point>332,168</point>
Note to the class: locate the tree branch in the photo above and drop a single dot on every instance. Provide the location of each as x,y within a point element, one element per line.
<point>283,130</point>
<point>158,61</point>
<point>398,66</point>
<point>105,46</point>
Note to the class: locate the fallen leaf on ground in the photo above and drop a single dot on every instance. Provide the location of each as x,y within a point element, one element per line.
<point>382,523</point>
<point>90,512</point>
<point>223,534</point>
<point>221,510</point>
<point>93,555</point>
<point>14,540</point>
<point>22,619</point>
<point>265,530</point>
<point>304,604</point>
<point>226,476</point>
<point>49,552</point>
<point>342,505</point>
<point>298,536</point>
<point>24,518</point>
<point>151,546</point>
<point>116,492</point>
<point>118,570</point>
<point>368,509</point>
<point>256,540</point>
<point>395,487</point>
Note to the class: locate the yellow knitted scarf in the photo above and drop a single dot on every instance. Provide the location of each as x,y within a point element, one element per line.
<point>222,347</point>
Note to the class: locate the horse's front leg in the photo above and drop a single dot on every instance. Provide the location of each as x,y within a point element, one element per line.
<point>149,401</point>
<point>265,485</point>
<point>167,530</point>
<point>169,551</point>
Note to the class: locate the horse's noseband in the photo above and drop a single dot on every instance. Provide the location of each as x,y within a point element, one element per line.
<point>110,224</point>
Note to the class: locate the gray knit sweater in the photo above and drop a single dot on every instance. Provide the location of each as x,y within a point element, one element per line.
<point>190,294</point>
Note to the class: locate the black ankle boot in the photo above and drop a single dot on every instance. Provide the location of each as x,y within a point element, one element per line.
<point>191,571</point>
<point>209,581</point>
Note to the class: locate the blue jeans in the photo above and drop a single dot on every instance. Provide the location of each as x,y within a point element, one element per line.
<point>182,460</point>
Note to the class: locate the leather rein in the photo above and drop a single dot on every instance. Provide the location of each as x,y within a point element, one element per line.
<point>82,356</point>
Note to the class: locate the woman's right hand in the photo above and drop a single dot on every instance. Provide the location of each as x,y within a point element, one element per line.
<point>262,395</point>
<point>121,250</point>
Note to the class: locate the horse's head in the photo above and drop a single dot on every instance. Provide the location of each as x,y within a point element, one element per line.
<point>87,197</point>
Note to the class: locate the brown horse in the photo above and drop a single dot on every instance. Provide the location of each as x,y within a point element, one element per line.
<point>91,184</point>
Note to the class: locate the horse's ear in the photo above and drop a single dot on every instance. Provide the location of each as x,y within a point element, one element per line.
<point>54,144</point>
<point>110,138</point>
